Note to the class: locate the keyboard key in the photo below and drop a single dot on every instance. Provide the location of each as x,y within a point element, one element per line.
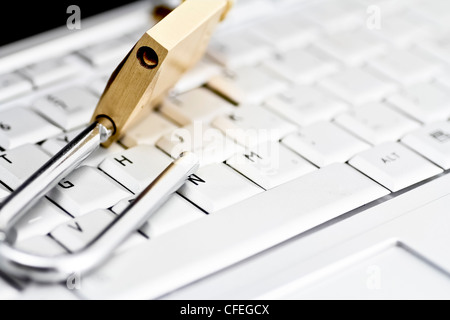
<point>394,166</point>
<point>13,85</point>
<point>424,102</point>
<point>79,233</point>
<point>85,190</point>
<point>136,168</point>
<point>50,72</point>
<point>209,144</point>
<point>109,53</point>
<point>271,169</point>
<point>358,86</point>
<point>433,142</point>
<point>249,85</point>
<point>54,145</point>
<point>438,48</point>
<point>197,76</point>
<point>324,143</point>
<point>216,187</point>
<point>175,213</point>
<point>233,234</point>
<point>238,49</point>
<point>68,109</point>
<point>305,105</point>
<point>42,246</point>
<point>405,67</point>
<point>196,105</point>
<point>97,157</point>
<point>40,220</point>
<point>17,165</point>
<point>98,86</point>
<point>376,123</point>
<point>148,131</point>
<point>301,66</point>
<point>19,126</point>
<point>352,48</point>
<point>251,126</point>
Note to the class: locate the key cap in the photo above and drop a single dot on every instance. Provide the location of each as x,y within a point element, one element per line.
<point>376,123</point>
<point>394,166</point>
<point>13,85</point>
<point>405,67</point>
<point>175,213</point>
<point>238,49</point>
<point>305,105</point>
<point>136,168</point>
<point>49,72</point>
<point>433,142</point>
<point>54,145</point>
<point>109,53</point>
<point>85,190</point>
<point>324,143</point>
<point>148,131</point>
<point>7,291</point>
<point>197,76</point>
<point>358,86</point>
<point>233,234</point>
<point>39,221</point>
<point>79,233</point>
<point>97,157</point>
<point>196,105</point>
<point>98,86</point>
<point>17,165</point>
<point>19,126</point>
<point>68,109</point>
<point>249,85</point>
<point>42,246</point>
<point>272,168</point>
<point>352,48</point>
<point>251,126</point>
<point>424,102</point>
<point>216,187</point>
<point>209,144</point>
<point>301,66</point>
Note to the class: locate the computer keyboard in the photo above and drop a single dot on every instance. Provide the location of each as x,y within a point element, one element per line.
<point>300,113</point>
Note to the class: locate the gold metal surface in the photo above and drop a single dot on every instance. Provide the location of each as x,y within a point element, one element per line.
<point>158,61</point>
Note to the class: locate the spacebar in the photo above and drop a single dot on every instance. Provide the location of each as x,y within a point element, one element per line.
<point>208,245</point>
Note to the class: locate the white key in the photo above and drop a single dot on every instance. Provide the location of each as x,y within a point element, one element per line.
<point>285,32</point>
<point>13,85</point>
<point>305,105</point>
<point>40,220</point>
<point>197,76</point>
<point>232,235</point>
<point>109,53</point>
<point>19,126</point>
<point>376,123</point>
<point>196,105</point>
<point>99,155</point>
<point>175,213</point>
<point>68,109</point>
<point>251,126</point>
<point>324,143</point>
<point>352,48</point>
<point>17,165</point>
<point>148,131</point>
<point>54,145</point>
<point>405,67</point>
<point>301,66</point>
<point>238,49</point>
<point>43,246</point>
<point>98,86</point>
<point>209,144</point>
<point>271,169</point>
<point>433,142</point>
<point>216,187</point>
<point>80,232</point>
<point>394,166</point>
<point>438,48</point>
<point>358,86</point>
<point>136,168</point>
<point>248,85</point>
<point>7,291</point>
<point>4,193</point>
<point>425,102</point>
<point>49,72</point>
<point>85,190</point>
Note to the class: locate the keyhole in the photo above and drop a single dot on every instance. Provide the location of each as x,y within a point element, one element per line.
<point>148,57</point>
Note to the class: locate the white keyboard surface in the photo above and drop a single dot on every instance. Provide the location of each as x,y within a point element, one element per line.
<point>301,112</point>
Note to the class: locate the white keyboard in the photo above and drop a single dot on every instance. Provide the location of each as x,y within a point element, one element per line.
<point>300,113</point>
